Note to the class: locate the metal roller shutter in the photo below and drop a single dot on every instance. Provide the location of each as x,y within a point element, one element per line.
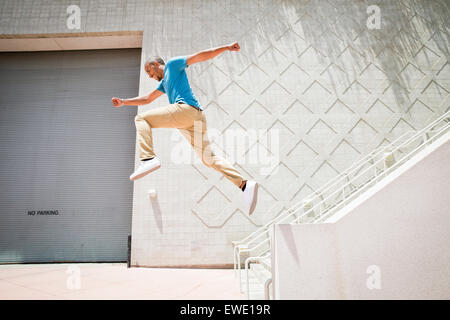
<point>66,155</point>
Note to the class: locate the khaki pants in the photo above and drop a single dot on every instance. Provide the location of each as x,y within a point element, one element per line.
<point>182,117</point>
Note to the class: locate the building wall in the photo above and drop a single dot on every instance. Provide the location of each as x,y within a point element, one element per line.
<point>310,71</point>
<point>390,243</point>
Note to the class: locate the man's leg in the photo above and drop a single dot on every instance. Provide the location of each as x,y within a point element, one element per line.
<point>165,117</point>
<point>155,118</point>
<point>197,135</point>
<point>198,138</point>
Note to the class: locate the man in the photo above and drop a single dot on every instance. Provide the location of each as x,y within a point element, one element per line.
<point>184,113</point>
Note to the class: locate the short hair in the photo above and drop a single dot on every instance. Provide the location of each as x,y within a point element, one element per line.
<point>154,59</point>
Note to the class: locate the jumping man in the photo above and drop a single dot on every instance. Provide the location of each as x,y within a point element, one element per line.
<point>184,113</point>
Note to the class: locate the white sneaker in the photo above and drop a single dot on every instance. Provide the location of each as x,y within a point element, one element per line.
<point>145,168</point>
<point>250,195</point>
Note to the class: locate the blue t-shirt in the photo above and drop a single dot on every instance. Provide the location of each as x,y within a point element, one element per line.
<point>175,83</point>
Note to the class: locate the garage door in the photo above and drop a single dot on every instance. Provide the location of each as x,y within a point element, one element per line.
<point>66,155</point>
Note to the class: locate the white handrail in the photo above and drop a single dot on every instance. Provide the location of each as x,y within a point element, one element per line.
<point>412,139</point>
<point>385,172</point>
<point>373,153</point>
<point>266,289</point>
<point>422,134</point>
<point>315,192</point>
<point>288,213</point>
<point>247,263</point>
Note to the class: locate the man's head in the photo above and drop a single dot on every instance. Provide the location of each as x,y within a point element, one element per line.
<point>154,66</point>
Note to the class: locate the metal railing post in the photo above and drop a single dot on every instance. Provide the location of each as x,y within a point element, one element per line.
<point>239,270</point>
<point>266,289</point>
<point>234,260</point>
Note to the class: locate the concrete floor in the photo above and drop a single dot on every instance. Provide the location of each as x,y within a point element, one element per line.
<point>115,281</point>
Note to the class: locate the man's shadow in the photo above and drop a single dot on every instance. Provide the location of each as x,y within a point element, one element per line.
<point>157,212</point>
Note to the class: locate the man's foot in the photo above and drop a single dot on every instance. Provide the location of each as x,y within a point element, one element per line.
<point>145,168</point>
<point>250,195</point>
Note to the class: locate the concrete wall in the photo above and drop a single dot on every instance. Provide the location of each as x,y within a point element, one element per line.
<point>391,243</point>
<point>311,71</point>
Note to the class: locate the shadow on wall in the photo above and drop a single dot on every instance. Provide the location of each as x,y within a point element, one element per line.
<point>405,26</point>
<point>337,33</point>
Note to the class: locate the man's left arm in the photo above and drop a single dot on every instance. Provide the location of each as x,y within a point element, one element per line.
<point>211,53</point>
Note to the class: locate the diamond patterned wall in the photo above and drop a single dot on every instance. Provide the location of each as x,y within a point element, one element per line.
<point>332,88</point>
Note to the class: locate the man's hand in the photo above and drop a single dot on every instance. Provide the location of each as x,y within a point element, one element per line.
<point>234,47</point>
<point>117,102</point>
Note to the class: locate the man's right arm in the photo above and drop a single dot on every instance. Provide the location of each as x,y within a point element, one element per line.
<point>117,102</point>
